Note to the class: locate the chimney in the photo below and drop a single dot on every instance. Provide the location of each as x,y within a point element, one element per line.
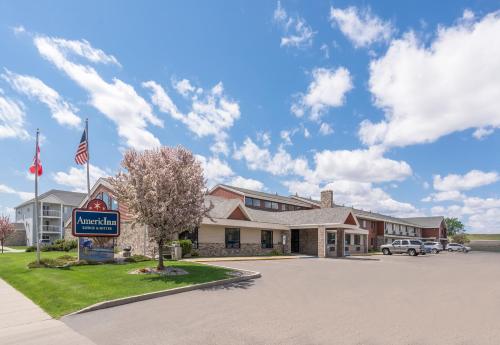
<point>326,199</point>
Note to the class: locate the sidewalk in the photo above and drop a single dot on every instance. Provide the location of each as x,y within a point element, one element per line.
<point>23,322</point>
<point>12,250</point>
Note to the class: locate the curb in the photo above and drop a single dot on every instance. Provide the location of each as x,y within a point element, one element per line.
<point>249,275</point>
<point>235,258</point>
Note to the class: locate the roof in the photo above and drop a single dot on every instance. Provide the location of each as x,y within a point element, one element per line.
<point>266,196</point>
<point>383,217</point>
<point>67,198</point>
<point>427,222</point>
<point>223,207</point>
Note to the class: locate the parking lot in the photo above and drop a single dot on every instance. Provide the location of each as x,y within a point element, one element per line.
<point>449,298</point>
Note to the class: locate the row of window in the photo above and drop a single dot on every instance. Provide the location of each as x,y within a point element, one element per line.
<point>232,238</point>
<point>271,205</point>
<point>331,238</point>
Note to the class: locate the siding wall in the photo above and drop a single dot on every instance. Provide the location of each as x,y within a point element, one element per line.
<point>223,193</point>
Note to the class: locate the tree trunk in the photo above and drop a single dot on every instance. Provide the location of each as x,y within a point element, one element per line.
<point>160,256</point>
<point>2,247</point>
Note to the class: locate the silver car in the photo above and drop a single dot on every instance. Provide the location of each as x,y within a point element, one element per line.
<point>456,247</point>
<point>433,247</point>
<point>410,247</point>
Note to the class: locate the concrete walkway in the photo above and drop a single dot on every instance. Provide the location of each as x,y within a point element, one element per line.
<point>23,322</point>
<point>12,250</point>
<point>248,258</point>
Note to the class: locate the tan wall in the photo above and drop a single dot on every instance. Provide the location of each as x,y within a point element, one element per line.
<point>217,234</point>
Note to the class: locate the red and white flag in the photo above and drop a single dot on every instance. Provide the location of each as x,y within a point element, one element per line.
<point>82,154</point>
<point>35,160</point>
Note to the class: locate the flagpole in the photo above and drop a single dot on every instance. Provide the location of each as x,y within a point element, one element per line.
<point>37,228</point>
<point>88,158</point>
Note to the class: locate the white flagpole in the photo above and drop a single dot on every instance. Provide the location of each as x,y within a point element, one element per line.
<point>37,228</point>
<point>88,158</point>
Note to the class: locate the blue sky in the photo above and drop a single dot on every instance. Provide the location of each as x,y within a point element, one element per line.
<point>393,105</point>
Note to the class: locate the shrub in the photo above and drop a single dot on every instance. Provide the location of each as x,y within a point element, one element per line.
<point>275,252</point>
<point>137,258</point>
<point>30,249</point>
<point>195,254</point>
<point>186,246</point>
<point>460,238</point>
<point>60,262</point>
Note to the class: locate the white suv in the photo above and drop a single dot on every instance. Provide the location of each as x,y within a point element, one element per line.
<point>455,247</point>
<point>433,247</point>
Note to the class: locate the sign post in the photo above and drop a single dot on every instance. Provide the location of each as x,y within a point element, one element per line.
<point>99,223</point>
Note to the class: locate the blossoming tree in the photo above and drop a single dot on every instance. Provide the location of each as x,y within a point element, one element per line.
<point>6,229</point>
<point>163,189</point>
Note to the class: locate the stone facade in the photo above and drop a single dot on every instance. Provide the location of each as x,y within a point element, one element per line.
<point>247,249</point>
<point>136,236</point>
<point>321,242</point>
<point>308,241</point>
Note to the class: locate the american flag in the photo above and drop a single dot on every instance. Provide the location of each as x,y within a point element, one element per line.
<point>34,164</point>
<point>82,154</point>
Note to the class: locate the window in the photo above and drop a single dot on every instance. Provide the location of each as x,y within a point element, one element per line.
<point>190,235</point>
<point>248,201</point>
<point>283,207</point>
<point>266,239</point>
<point>372,241</point>
<point>114,204</point>
<point>347,239</point>
<point>331,237</point>
<point>396,243</point>
<point>233,238</point>
<point>357,240</point>
<point>107,199</point>
<point>417,243</point>
<point>405,242</point>
<point>363,224</point>
<point>256,203</point>
<point>267,204</point>
<point>274,205</point>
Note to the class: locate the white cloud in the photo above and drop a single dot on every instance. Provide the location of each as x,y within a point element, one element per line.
<point>62,111</point>
<point>24,196</point>
<point>76,178</point>
<point>218,171</point>
<point>326,51</point>
<point>247,183</point>
<point>297,33</point>
<point>264,138</point>
<point>12,119</point>
<point>184,87</point>
<point>327,90</point>
<point>473,179</point>
<point>361,27</point>
<point>451,195</point>
<point>18,29</point>
<point>286,135</point>
<point>307,134</point>
<point>368,165</point>
<point>280,163</point>
<point>212,113</point>
<point>325,129</point>
<point>360,195</point>
<point>118,101</point>
<point>483,132</point>
<point>431,91</point>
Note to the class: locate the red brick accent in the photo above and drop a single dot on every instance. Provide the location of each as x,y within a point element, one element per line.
<point>430,233</point>
<point>227,194</point>
<point>350,220</point>
<point>237,214</point>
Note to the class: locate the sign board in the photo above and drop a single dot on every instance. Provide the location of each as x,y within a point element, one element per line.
<point>95,221</point>
<point>96,248</point>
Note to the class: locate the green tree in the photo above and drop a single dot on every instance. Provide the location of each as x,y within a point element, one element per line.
<point>454,226</point>
<point>461,238</point>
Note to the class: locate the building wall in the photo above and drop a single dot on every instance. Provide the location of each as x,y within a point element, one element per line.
<point>18,237</point>
<point>308,241</point>
<point>211,242</point>
<point>430,233</point>
<point>224,193</point>
<point>25,216</point>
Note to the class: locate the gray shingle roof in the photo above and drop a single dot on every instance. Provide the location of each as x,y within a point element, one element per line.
<point>222,207</point>
<point>367,214</point>
<point>427,222</point>
<point>67,198</point>
<point>267,196</point>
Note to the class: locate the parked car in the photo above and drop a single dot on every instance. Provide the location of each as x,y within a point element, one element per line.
<point>410,247</point>
<point>456,247</point>
<point>45,242</point>
<point>433,247</point>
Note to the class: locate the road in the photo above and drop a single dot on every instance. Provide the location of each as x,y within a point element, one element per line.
<point>445,298</point>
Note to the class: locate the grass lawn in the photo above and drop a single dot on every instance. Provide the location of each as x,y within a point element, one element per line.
<point>473,237</point>
<point>62,291</point>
